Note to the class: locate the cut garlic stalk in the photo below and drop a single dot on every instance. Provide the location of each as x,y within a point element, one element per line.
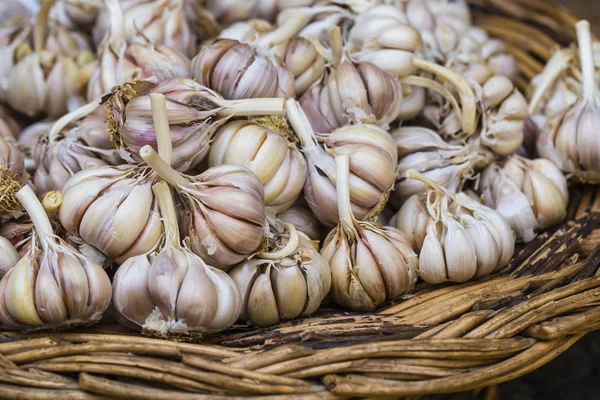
<point>224,214</point>
<point>173,291</point>
<point>373,158</point>
<point>53,286</point>
<point>265,147</point>
<point>370,264</point>
<point>572,138</point>
<point>288,280</point>
<point>530,194</point>
<point>457,237</point>
<point>194,112</point>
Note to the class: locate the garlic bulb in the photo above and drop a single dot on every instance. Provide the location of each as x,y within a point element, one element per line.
<point>12,176</point>
<point>30,138</point>
<point>224,212</point>
<point>530,194</point>
<point>423,150</point>
<point>8,256</point>
<point>113,209</point>
<point>13,47</point>
<point>158,22</point>
<point>504,109</point>
<point>238,70</point>
<point>53,286</point>
<point>122,60</point>
<point>194,112</point>
<point>457,237</point>
<point>373,158</point>
<point>369,263</point>
<point>303,220</point>
<point>572,139</point>
<point>382,35</point>
<point>349,92</point>
<point>43,81</point>
<point>288,280</point>
<point>304,63</point>
<point>265,147</point>
<point>59,154</point>
<point>172,291</point>
<point>229,11</point>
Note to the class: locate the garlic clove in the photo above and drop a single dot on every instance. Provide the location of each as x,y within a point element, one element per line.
<point>229,300</point>
<point>131,295</point>
<point>197,301</point>
<point>73,283</point>
<point>165,278</point>
<point>432,262</point>
<point>48,295</point>
<point>290,290</point>
<point>19,297</point>
<point>262,306</point>
<point>547,201</point>
<point>486,248</point>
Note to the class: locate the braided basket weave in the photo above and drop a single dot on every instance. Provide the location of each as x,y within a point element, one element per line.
<point>441,339</point>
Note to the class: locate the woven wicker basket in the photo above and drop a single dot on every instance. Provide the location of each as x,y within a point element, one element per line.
<point>442,339</point>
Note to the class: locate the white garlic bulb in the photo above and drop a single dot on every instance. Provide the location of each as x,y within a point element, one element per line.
<point>53,286</point>
<point>423,150</point>
<point>351,92</point>
<point>373,158</point>
<point>264,147</point>
<point>530,194</point>
<point>571,139</point>
<point>288,280</point>
<point>224,212</point>
<point>172,290</point>
<point>457,238</point>
<point>194,112</point>
<point>122,60</point>
<point>369,263</point>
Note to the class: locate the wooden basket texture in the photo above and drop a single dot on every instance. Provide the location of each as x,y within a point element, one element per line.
<point>442,339</point>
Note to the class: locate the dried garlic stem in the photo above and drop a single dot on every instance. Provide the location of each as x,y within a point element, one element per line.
<point>301,125</point>
<point>286,31</point>
<point>586,55</point>
<point>36,212</point>
<point>52,201</point>
<point>420,81</point>
<point>251,107</point>
<point>41,25</point>
<point>161,127</point>
<point>347,220</point>
<point>162,191</point>
<point>465,92</point>
<point>164,170</point>
<point>559,62</point>
<point>285,251</point>
<point>74,115</point>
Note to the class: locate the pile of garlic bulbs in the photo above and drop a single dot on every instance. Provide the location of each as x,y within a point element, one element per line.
<point>246,161</point>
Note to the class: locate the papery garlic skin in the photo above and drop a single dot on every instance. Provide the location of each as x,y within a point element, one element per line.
<point>113,210</point>
<point>239,71</point>
<point>285,288</point>
<point>457,238</point>
<point>269,154</point>
<point>304,221</point>
<point>530,194</point>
